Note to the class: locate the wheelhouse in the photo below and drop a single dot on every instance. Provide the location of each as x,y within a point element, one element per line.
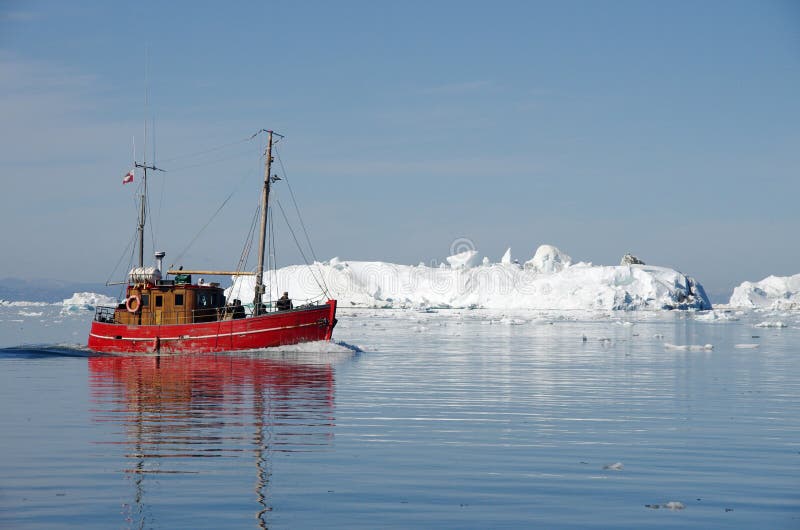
<point>175,301</point>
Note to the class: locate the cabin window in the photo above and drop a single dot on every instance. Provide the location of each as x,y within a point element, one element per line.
<point>178,299</point>
<point>159,301</point>
<point>202,300</point>
<point>145,300</point>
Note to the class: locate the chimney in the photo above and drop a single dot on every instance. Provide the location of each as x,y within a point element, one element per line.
<point>159,257</point>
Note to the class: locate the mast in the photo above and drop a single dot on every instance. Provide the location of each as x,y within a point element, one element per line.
<point>259,290</point>
<point>143,207</point>
<point>142,214</point>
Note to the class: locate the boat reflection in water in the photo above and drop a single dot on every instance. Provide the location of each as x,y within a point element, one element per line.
<point>210,423</point>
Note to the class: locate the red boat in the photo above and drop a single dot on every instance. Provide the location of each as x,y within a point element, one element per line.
<point>170,315</point>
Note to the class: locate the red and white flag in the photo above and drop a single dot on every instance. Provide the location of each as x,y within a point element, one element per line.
<point>128,178</point>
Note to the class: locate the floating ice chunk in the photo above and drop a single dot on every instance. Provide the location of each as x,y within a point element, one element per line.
<point>87,301</point>
<point>772,324</point>
<point>714,316</point>
<point>671,505</point>
<point>22,303</point>
<point>512,321</point>
<point>616,466</point>
<point>745,346</point>
<point>689,347</point>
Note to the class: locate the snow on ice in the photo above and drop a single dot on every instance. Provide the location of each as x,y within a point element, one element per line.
<point>547,281</point>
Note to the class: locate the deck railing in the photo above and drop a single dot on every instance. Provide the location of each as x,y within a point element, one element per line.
<point>108,315</point>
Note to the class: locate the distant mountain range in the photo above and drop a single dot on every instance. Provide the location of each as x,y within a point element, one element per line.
<point>47,290</point>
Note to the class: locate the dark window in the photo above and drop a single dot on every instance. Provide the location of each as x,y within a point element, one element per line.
<point>178,299</point>
<point>159,301</point>
<point>202,300</point>
<point>145,300</point>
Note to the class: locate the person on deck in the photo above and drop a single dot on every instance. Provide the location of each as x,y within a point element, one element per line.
<point>284,303</point>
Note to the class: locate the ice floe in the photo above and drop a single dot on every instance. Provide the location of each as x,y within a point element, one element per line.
<point>689,347</point>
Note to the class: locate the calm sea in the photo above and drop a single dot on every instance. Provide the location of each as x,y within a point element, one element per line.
<point>451,419</point>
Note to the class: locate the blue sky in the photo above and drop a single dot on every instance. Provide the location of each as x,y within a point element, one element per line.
<point>669,130</point>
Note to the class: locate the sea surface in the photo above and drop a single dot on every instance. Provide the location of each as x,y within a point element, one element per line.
<point>443,419</point>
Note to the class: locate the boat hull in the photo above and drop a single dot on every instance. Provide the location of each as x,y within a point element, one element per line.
<point>273,329</point>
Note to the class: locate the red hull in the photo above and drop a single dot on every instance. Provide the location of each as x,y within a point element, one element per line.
<point>265,331</point>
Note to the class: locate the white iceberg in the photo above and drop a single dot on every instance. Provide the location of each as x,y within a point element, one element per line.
<point>778,293</point>
<point>87,301</point>
<point>548,281</point>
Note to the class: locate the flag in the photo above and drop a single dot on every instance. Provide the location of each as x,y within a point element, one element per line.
<point>128,177</point>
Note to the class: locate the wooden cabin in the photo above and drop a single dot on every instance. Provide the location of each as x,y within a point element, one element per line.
<point>175,301</point>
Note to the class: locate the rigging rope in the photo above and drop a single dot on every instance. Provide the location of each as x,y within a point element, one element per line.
<point>208,163</point>
<point>244,177</point>
<point>221,206</point>
<point>274,269</point>
<point>323,289</point>
<point>131,245</point>
<point>212,149</point>
<point>248,245</point>
<point>297,209</point>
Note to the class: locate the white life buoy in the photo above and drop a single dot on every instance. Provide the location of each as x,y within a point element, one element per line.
<point>133,303</point>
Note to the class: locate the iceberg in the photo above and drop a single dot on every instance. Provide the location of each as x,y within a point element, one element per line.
<point>548,281</point>
<point>87,301</point>
<point>777,293</point>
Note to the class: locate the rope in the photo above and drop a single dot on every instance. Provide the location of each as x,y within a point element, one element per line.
<point>131,246</point>
<point>212,149</point>
<point>297,209</point>
<point>248,245</point>
<point>221,206</point>
<point>323,289</point>
<point>150,224</point>
<point>273,261</point>
<point>208,163</point>
<point>239,185</point>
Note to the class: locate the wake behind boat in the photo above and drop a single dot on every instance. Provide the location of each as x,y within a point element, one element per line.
<point>170,315</point>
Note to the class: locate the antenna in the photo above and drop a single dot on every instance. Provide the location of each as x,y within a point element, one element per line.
<point>146,103</point>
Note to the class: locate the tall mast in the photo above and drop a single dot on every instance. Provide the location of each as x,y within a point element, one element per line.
<point>143,207</point>
<point>142,211</point>
<point>259,290</point>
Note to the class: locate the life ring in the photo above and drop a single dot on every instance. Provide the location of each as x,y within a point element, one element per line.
<point>133,303</point>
